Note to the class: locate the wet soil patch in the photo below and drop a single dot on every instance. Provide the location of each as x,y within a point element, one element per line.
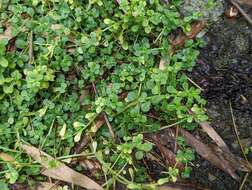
<point>224,71</point>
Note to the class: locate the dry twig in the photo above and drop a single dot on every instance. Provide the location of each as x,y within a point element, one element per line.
<point>226,161</point>
<point>237,133</point>
<point>31,48</point>
<point>245,2</point>
<point>239,141</point>
<point>243,181</point>
<point>168,155</point>
<point>61,172</point>
<point>246,16</point>
<point>175,142</point>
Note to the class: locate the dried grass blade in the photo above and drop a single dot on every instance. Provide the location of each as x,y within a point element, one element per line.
<point>168,155</point>
<point>214,136</point>
<point>207,153</point>
<point>61,172</point>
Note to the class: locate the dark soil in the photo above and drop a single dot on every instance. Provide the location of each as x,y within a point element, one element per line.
<point>224,71</point>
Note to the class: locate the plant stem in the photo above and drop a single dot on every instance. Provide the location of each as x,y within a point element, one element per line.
<point>74,156</point>
<point>236,132</point>
<point>243,181</point>
<point>48,134</point>
<point>173,124</point>
<point>8,150</point>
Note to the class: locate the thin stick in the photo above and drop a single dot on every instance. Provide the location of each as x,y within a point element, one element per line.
<point>243,181</point>
<point>50,179</point>
<point>109,126</point>
<point>74,156</point>
<point>8,150</point>
<point>172,125</point>
<point>236,132</point>
<point>31,48</point>
<point>176,136</point>
<point>94,88</point>
<point>239,141</point>
<point>48,134</point>
<point>245,2</point>
<point>195,84</point>
<point>246,16</point>
<point>105,115</point>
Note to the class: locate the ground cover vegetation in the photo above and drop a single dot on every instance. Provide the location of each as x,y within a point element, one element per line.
<point>66,63</point>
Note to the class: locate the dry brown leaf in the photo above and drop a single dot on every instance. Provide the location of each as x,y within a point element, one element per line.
<point>207,153</point>
<point>84,93</point>
<point>246,16</point>
<point>162,65</point>
<point>196,28</point>
<point>223,160</point>
<point>179,40</point>
<point>168,155</point>
<point>153,158</point>
<point>237,162</point>
<point>91,165</point>
<point>11,47</point>
<point>19,186</point>
<point>7,33</point>
<point>6,157</point>
<point>71,50</point>
<point>215,136</point>
<point>223,150</point>
<point>62,172</point>
<point>47,186</point>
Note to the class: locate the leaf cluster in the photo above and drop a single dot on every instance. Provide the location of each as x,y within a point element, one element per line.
<point>57,49</point>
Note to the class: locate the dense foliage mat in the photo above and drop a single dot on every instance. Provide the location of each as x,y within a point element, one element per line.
<point>64,63</point>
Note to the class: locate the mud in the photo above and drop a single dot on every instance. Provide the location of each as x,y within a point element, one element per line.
<point>224,71</point>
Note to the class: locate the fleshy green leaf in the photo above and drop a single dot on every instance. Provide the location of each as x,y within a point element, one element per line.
<point>131,96</point>
<point>78,124</point>
<point>3,62</point>
<point>145,107</point>
<point>3,186</point>
<point>139,155</point>
<point>146,147</point>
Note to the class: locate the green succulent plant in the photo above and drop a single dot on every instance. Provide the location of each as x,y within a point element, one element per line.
<point>74,45</point>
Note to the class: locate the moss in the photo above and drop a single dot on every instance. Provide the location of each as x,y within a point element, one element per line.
<point>210,9</point>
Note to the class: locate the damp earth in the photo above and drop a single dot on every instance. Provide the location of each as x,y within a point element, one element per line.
<point>224,71</point>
